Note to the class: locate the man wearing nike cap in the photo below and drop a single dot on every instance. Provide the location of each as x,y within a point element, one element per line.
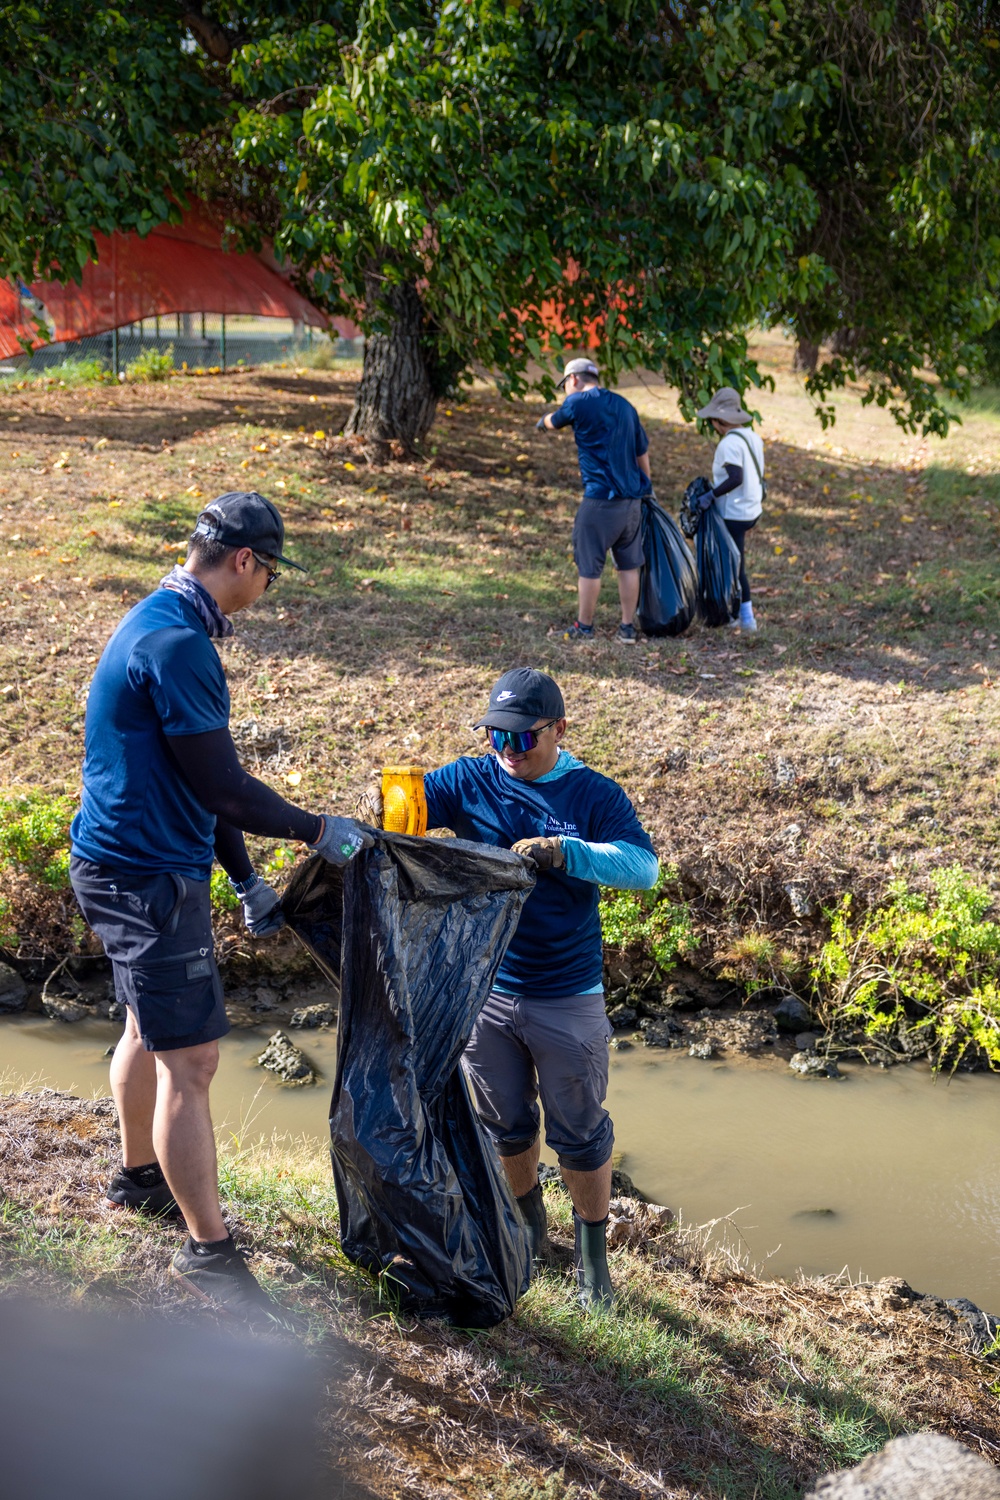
<point>544,1030</point>
<point>164,795</point>
<point>614,467</point>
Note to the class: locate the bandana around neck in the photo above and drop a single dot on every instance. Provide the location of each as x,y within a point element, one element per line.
<point>211,616</point>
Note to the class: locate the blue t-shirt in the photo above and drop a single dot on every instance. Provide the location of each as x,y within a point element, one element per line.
<point>556,948</point>
<point>609,439</point>
<point>159,675</point>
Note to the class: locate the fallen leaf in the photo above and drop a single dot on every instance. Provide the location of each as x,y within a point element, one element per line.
<point>293,778</point>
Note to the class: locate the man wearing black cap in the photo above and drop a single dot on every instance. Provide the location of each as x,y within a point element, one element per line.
<point>163,794</point>
<point>544,1030</point>
<point>614,467</point>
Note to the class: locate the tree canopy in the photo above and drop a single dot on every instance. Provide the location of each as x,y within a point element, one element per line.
<point>488,182</point>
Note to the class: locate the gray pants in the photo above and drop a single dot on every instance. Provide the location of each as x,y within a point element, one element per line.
<point>534,1046</point>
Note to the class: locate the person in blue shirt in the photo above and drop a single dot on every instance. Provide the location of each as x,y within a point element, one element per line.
<point>164,795</point>
<point>544,1030</point>
<point>614,467</point>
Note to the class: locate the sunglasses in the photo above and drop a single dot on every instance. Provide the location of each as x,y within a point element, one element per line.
<point>272,573</point>
<point>518,740</point>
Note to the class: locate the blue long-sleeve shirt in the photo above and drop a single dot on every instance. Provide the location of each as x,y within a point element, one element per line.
<point>556,948</point>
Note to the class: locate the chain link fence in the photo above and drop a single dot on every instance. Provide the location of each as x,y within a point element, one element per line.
<point>197,341</point>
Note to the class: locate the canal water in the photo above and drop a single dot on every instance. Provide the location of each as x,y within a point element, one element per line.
<point>882,1174</point>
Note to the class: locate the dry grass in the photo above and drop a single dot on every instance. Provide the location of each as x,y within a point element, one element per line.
<point>705,1383</point>
<point>864,713</point>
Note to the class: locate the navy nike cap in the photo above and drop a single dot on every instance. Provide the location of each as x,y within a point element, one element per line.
<point>243,518</point>
<point>520,698</point>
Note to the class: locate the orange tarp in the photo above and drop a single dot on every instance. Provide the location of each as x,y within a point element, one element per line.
<point>178,268</point>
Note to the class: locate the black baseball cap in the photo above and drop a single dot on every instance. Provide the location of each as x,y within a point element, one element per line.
<point>520,699</point>
<point>242,518</point>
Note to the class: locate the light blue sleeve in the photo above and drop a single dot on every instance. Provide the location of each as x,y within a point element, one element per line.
<point>626,867</point>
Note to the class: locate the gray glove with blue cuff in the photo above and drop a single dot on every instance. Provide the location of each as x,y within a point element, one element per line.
<point>341,839</point>
<point>261,906</point>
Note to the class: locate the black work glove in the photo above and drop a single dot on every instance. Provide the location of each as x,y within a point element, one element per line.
<point>544,854</point>
<point>540,424</point>
<point>706,501</point>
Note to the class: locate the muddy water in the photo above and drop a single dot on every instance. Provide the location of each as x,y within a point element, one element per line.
<point>884,1174</point>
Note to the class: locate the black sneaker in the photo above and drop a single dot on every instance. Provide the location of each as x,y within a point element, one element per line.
<point>578,632</point>
<point>626,634</point>
<point>223,1280</point>
<point>143,1189</point>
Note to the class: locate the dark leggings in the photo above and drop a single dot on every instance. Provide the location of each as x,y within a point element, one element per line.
<point>738,531</point>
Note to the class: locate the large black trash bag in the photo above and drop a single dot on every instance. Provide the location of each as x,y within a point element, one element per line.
<point>668,593</point>
<point>415,929</point>
<point>718,571</point>
<point>692,509</point>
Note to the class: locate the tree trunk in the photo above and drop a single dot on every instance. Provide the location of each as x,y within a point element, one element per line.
<point>396,399</point>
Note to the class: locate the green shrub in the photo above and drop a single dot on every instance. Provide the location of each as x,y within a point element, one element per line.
<point>926,964</point>
<point>152,364</point>
<point>72,371</point>
<point>34,836</point>
<point>648,920</point>
<point>221,893</point>
<point>760,964</point>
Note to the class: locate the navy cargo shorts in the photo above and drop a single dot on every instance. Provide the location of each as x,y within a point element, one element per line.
<point>157,932</point>
<point>525,1047</point>
<point>607,525</point>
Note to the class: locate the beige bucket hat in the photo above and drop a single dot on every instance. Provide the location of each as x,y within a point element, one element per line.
<point>725,407</point>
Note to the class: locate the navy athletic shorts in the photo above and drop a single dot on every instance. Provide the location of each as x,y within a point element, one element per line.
<point>530,1046</point>
<point>604,526</point>
<point>157,932</point>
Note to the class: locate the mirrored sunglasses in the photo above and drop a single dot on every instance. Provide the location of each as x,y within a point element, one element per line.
<point>518,740</point>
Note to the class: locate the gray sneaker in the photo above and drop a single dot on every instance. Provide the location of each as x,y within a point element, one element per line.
<point>626,635</point>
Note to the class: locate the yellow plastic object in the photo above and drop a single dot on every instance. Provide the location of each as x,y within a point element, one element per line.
<point>404,806</point>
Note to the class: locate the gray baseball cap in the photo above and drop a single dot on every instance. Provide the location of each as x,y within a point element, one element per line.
<point>243,518</point>
<point>578,367</point>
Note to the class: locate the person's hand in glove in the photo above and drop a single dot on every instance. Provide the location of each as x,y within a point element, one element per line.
<point>261,907</point>
<point>706,501</point>
<point>544,854</point>
<point>540,425</point>
<point>341,839</point>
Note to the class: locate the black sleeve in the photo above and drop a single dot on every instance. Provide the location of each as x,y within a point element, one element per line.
<point>231,851</point>
<point>734,478</point>
<point>211,766</point>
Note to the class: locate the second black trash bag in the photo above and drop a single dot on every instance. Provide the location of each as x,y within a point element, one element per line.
<point>718,571</point>
<point>414,930</point>
<point>668,592</point>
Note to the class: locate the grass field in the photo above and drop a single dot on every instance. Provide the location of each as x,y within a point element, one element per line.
<point>851,740</point>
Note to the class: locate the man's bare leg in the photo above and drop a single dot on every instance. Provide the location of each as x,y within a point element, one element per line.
<point>588,590</point>
<point>133,1085</point>
<point>590,1191</point>
<point>628,593</point>
<point>522,1170</point>
<point>184,1137</point>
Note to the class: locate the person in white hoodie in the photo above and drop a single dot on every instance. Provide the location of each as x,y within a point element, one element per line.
<point>737,482</point>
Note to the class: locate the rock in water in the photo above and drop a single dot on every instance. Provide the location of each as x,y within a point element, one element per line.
<point>64,1008</point>
<point>312,1016</point>
<point>924,1464</point>
<point>282,1058</point>
<point>812,1066</point>
<point>13,990</point>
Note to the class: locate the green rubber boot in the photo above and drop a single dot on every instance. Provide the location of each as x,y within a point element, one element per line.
<point>532,1210</point>
<point>593,1279</point>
